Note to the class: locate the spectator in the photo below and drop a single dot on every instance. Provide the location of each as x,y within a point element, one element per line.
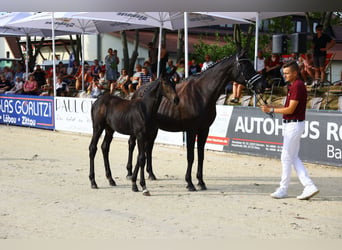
<point>181,69</point>
<point>321,43</point>
<point>31,86</point>
<point>145,77</point>
<point>260,63</point>
<point>94,90</point>
<point>96,69</point>
<point>207,62</point>
<point>47,89</point>
<point>307,69</point>
<point>169,66</point>
<point>61,70</point>
<point>135,79</point>
<point>61,87</point>
<point>123,82</point>
<point>5,84</point>
<point>237,92</point>
<point>39,76</point>
<point>103,82</point>
<point>164,57</point>
<point>111,61</point>
<point>194,67</point>
<point>273,67</point>
<point>8,74</point>
<point>17,88</point>
<point>153,58</point>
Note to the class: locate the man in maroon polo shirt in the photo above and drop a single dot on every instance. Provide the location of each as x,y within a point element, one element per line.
<point>293,127</point>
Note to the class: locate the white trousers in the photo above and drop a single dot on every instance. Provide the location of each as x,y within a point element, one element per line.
<point>292,132</point>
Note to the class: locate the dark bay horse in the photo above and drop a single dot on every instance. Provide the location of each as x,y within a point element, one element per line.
<point>196,110</point>
<point>131,117</point>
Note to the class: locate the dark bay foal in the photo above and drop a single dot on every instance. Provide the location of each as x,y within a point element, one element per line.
<point>131,117</point>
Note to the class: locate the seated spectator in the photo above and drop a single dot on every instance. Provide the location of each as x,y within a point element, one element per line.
<point>96,69</point>
<point>103,83</point>
<point>169,66</point>
<point>47,89</point>
<point>207,62</point>
<point>61,87</point>
<point>17,88</point>
<point>273,67</point>
<point>94,89</point>
<point>308,69</point>
<point>8,74</point>
<point>61,70</point>
<point>135,79</point>
<point>18,73</point>
<point>237,92</point>
<point>31,86</point>
<point>181,68</point>
<point>194,67</point>
<point>145,77</point>
<point>5,84</point>
<point>123,82</point>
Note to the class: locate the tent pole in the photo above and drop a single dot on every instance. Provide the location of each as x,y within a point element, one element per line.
<point>53,54</point>
<point>186,46</point>
<point>256,44</point>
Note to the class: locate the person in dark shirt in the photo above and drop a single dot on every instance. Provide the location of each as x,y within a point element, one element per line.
<point>321,43</point>
<point>194,67</point>
<point>293,127</point>
<point>39,75</point>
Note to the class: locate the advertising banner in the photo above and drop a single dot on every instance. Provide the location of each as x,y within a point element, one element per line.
<point>28,111</point>
<point>74,115</point>
<point>251,131</point>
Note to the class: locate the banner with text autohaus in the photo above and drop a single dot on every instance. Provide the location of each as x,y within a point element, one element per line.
<point>28,111</point>
<point>253,132</point>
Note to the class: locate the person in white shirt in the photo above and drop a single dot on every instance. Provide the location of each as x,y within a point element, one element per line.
<point>207,62</point>
<point>260,63</point>
<point>17,88</point>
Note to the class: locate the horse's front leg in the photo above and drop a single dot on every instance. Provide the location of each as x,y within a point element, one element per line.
<point>201,140</point>
<point>149,149</point>
<point>129,166</point>
<point>105,151</point>
<point>92,152</point>
<point>190,144</point>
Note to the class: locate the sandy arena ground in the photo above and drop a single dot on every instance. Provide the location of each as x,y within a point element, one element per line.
<point>45,194</point>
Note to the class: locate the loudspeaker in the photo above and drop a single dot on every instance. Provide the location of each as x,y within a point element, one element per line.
<point>279,44</point>
<point>298,43</point>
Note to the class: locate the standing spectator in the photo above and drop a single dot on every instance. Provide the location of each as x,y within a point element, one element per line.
<point>321,43</point>
<point>194,67</point>
<point>207,62</point>
<point>31,86</point>
<point>111,62</point>
<point>293,127</point>
<point>96,69</point>
<point>39,76</point>
<point>153,58</point>
<point>260,63</point>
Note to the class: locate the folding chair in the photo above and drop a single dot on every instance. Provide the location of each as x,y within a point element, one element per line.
<point>316,102</point>
<point>245,100</point>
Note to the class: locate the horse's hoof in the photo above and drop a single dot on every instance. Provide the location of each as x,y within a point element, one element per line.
<point>94,186</point>
<point>112,183</point>
<point>146,192</point>
<point>135,188</point>
<point>191,188</point>
<point>129,177</point>
<point>202,186</point>
<point>152,177</point>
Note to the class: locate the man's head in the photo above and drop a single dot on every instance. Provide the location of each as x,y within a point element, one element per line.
<point>291,71</point>
<point>319,28</point>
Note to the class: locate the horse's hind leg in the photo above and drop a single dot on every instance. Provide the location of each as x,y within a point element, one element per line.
<point>140,164</point>
<point>190,144</point>
<point>201,140</point>
<point>92,152</point>
<point>129,166</point>
<point>105,151</point>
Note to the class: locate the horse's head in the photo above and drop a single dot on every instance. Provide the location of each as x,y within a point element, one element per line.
<point>169,86</point>
<point>247,75</point>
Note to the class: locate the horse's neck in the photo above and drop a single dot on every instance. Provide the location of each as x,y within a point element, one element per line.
<point>212,82</point>
<point>152,98</point>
